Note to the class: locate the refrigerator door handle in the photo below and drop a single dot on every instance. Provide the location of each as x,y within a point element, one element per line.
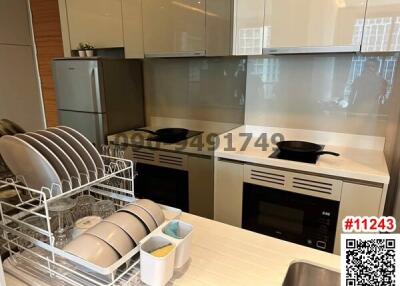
<point>95,88</point>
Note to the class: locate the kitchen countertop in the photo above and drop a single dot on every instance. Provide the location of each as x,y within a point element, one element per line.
<point>227,255</point>
<point>353,163</point>
<point>191,145</point>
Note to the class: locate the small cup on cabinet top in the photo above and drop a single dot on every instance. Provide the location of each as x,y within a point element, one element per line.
<point>181,232</point>
<point>156,270</point>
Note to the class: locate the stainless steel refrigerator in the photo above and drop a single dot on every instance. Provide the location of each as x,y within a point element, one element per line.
<point>99,96</point>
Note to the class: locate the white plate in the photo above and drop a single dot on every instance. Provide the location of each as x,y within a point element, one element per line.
<point>64,158</point>
<point>51,157</point>
<point>90,165</point>
<point>80,165</point>
<point>14,127</point>
<point>89,147</point>
<point>24,160</point>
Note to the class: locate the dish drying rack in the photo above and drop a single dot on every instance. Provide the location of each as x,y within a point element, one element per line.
<point>40,257</point>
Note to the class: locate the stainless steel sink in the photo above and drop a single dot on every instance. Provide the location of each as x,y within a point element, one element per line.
<point>305,274</point>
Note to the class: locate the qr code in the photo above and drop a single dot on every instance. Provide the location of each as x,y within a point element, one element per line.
<point>370,260</point>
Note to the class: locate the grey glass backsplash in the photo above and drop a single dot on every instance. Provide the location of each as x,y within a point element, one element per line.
<point>204,89</point>
<point>339,93</point>
<point>345,93</point>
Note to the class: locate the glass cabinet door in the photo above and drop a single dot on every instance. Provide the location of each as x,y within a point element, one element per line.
<point>173,27</point>
<point>382,26</point>
<point>314,24</point>
<point>248,27</point>
<point>98,22</point>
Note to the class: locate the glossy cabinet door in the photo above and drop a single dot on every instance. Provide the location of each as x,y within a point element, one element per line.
<point>98,22</point>
<point>133,28</point>
<point>219,27</point>
<point>360,200</point>
<point>313,25</point>
<point>174,27</point>
<point>248,27</point>
<point>228,191</point>
<point>382,26</point>
<point>15,29</point>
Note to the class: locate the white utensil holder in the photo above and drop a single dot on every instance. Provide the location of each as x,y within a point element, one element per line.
<point>156,271</point>
<point>183,244</point>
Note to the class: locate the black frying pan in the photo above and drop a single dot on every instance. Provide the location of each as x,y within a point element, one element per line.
<point>302,148</point>
<point>167,133</point>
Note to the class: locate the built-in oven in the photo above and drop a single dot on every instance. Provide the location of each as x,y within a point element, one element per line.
<point>300,209</point>
<point>166,186</point>
<point>174,178</point>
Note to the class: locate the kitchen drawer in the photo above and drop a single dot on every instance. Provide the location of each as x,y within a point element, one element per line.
<point>294,182</point>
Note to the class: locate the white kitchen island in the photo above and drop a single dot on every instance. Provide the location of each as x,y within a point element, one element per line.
<point>227,255</point>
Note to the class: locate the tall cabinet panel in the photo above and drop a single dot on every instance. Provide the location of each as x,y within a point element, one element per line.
<point>219,27</point>
<point>19,87</point>
<point>14,29</point>
<point>248,27</point>
<point>98,22</point>
<point>174,27</point>
<point>133,28</point>
<point>382,26</point>
<point>315,25</point>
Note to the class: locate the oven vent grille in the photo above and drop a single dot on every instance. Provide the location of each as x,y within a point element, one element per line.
<point>172,160</point>
<point>268,177</point>
<point>312,185</point>
<point>144,156</point>
<point>176,161</point>
<point>288,180</point>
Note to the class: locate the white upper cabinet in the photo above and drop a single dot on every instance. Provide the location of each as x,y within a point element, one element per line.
<point>248,27</point>
<point>133,28</point>
<point>174,27</point>
<point>98,22</point>
<point>218,27</point>
<point>14,29</point>
<point>294,26</point>
<point>382,26</point>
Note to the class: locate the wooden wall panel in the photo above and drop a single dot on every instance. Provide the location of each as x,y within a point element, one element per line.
<point>49,45</point>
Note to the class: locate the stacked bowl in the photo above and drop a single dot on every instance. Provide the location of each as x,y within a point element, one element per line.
<point>118,234</point>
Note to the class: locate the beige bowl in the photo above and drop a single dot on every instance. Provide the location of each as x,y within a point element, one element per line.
<point>129,223</point>
<point>92,249</point>
<point>114,236</point>
<point>153,209</point>
<point>143,215</point>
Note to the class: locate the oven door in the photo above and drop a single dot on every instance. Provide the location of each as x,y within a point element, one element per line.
<point>294,217</point>
<point>163,185</point>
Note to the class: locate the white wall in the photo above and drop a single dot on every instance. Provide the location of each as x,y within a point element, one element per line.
<point>20,97</point>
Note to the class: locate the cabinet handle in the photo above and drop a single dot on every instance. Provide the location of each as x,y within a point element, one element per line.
<point>307,50</point>
<point>231,161</point>
<point>176,55</point>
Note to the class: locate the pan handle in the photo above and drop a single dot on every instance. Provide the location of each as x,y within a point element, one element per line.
<point>145,130</point>
<point>327,153</point>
